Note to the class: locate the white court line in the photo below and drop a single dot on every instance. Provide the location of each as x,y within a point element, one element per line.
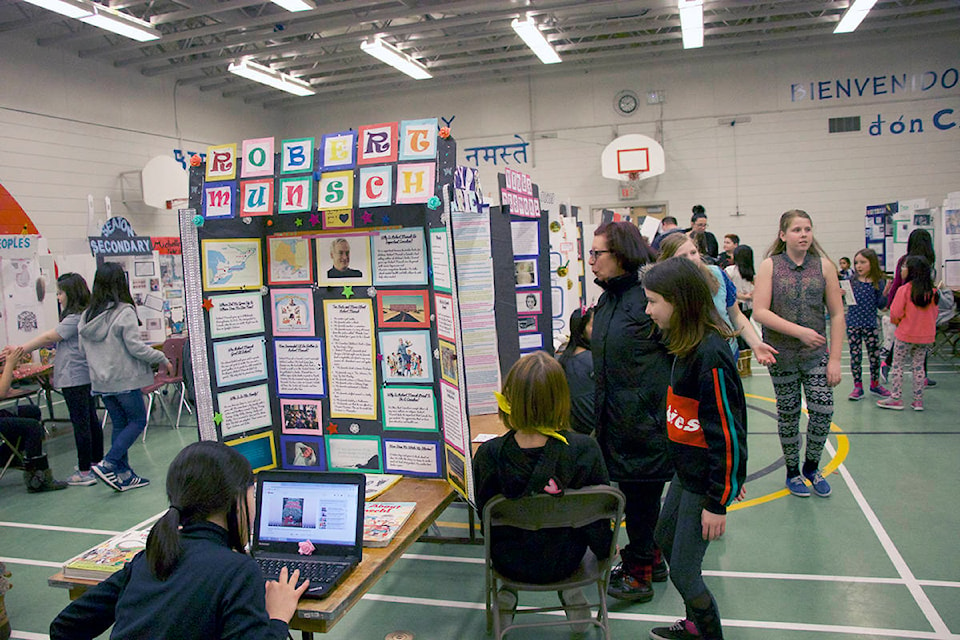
<point>50,527</point>
<point>655,618</point>
<point>933,617</point>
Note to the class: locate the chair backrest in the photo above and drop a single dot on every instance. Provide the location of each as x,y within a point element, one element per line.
<point>173,349</point>
<point>575,508</point>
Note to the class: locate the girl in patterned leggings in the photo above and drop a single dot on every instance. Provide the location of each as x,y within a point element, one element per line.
<point>794,285</point>
<point>869,298</point>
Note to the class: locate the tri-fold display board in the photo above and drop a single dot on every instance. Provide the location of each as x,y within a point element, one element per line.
<point>324,295</point>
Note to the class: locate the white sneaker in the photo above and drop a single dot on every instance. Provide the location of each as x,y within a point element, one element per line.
<point>576,607</point>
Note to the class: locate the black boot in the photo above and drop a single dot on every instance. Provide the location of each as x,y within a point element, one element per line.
<point>707,618</point>
<point>37,476</point>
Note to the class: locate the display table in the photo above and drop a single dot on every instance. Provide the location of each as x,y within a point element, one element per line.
<point>431,496</point>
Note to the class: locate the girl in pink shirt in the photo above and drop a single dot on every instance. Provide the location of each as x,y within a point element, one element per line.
<point>914,311</point>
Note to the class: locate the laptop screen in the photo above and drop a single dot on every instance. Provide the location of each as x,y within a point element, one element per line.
<point>323,513</point>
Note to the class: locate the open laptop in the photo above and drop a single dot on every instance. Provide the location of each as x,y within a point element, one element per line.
<point>325,509</point>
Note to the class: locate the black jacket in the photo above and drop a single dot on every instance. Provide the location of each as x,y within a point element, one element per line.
<point>631,369</point>
<point>707,423</point>
<point>548,555</point>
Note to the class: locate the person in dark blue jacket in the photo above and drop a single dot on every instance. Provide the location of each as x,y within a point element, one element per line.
<point>707,427</point>
<point>630,368</point>
<point>194,581</point>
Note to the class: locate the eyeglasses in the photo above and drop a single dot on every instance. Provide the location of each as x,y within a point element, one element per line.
<point>597,253</point>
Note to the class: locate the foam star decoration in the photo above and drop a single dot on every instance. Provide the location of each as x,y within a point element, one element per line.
<point>433,203</point>
<point>332,427</point>
<point>247,220</point>
<point>218,418</point>
<point>269,223</point>
<point>314,220</point>
<point>448,171</point>
<point>386,219</point>
<point>195,160</point>
<point>198,221</point>
<point>379,357</point>
<point>207,304</point>
<point>348,291</point>
<point>372,292</point>
<point>298,222</point>
<point>444,132</point>
<point>367,217</point>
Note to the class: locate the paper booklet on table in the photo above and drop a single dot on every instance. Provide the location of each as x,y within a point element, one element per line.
<point>382,521</point>
<point>107,557</point>
<point>377,483</point>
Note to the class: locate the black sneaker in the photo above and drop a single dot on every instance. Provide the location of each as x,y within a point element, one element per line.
<point>679,631</point>
<point>624,586</point>
<point>133,482</point>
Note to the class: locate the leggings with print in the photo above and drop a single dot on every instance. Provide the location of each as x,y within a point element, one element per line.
<point>917,353</point>
<point>810,378</point>
<point>871,338</point>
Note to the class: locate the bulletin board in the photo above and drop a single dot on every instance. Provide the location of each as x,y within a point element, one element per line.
<point>314,259</point>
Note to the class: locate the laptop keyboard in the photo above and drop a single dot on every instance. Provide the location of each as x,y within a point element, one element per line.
<point>316,572</point>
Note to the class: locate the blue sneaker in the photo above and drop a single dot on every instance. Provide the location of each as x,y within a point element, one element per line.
<point>132,482</point>
<point>820,486</point>
<point>107,473</point>
<point>796,486</point>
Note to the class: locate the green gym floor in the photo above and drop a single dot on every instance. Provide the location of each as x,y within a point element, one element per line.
<point>877,559</point>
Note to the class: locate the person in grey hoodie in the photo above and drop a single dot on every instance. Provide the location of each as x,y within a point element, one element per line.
<point>120,365</point>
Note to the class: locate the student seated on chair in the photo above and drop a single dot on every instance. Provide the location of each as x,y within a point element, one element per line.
<point>24,428</point>
<point>539,455</point>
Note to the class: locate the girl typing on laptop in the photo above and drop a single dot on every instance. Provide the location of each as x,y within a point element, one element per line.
<point>194,580</point>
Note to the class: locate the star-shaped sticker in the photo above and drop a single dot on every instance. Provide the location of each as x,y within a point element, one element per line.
<point>269,223</point>
<point>386,219</point>
<point>332,427</point>
<point>314,220</point>
<point>448,171</point>
<point>367,217</point>
<point>348,291</point>
<point>298,222</point>
<point>218,417</point>
<point>207,304</point>
<point>379,357</point>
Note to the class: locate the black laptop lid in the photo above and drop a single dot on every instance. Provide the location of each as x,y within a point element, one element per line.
<point>324,508</point>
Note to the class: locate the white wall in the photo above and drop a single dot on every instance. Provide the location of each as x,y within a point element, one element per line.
<point>783,158</point>
<point>70,127</point>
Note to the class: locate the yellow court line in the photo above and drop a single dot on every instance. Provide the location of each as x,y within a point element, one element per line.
<point>843,448</point>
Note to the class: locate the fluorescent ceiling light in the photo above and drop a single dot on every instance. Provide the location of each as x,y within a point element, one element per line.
<point>295,5</point>
<point>386,52</point>
<point>120,23</point>
<point>69,8</point>
<point>270,77</point>
<point>529,32</point>
<point>691,23</point>
<point>854,15</point>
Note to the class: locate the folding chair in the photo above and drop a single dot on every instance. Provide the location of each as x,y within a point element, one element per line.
<point>173,349</point>
<point>14,453</point>
<point>575,508</point>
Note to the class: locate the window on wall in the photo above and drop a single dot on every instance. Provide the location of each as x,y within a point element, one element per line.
<point>843,125</point>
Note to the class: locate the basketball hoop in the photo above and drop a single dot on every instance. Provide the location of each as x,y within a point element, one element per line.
<point>634,176</point>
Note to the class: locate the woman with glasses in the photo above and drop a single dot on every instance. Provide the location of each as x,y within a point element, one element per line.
<point>631,367</point>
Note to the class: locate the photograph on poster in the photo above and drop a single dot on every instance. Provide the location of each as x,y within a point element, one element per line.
<point>244,409</point>
<point>556,301</point>
<point>529,302</point>
<point>289,261</point>
<point>236,314</point>
<point>343,260</point>
<point>152,324</point>
<point>230,264</point>
<point>351,358</point>
<point>151,301</point>
<point>951,222</point>
<point>258,449</point>
<point>292,312</point>
<point>154,284</point>
<point>400,257</point>
<point>407,356</point>
<point>303,452</point>
<point>299,367</point>
<point>352,453</point>
<point>456,466</point>
<point>301,416</point>
<point>526,324</point>
<point>239,361</point>
<point>455,432</point>
<point>525,272</point>
<point>448,362</point>
<point>409,408</point>
<point>143,269</point>
<point>444,313</point>
<point>411,457</point>
<point>403,308</point>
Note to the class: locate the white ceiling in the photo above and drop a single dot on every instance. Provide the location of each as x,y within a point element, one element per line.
<point>460,41</point>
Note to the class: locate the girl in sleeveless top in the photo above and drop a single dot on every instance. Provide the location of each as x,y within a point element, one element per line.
<point>794,285</point>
